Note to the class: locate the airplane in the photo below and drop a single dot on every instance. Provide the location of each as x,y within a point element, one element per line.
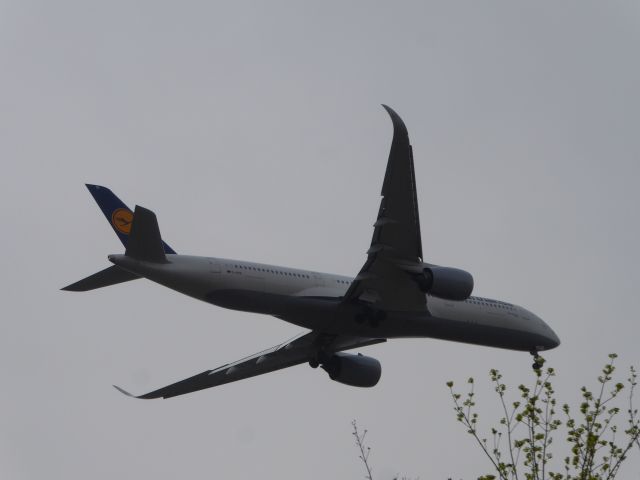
<point>396,294</point>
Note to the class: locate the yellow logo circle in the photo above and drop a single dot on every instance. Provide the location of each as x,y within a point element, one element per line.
<point>121,220</point>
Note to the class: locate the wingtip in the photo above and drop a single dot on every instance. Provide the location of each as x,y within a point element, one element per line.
<point>389,110</point>
<point>398,123</point>
<point>124,392</point>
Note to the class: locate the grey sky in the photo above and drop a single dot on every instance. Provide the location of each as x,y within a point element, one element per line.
<point>254,131</point>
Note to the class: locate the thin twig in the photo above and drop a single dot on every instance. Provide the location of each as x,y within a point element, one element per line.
<point>360,443</point>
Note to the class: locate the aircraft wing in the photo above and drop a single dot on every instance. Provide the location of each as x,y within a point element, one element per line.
<point>383,281</point>
<point>299,350</point>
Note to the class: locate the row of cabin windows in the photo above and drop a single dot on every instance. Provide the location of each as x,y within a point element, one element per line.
<point>481,301</point>
<point>275,272</point>
<point>345,282</point>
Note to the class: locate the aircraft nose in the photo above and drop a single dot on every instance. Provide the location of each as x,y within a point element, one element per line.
<point>544,333</point>
<point>554,340</point>
<point>551,339</point>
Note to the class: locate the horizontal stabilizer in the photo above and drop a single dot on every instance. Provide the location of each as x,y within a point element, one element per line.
<point>109,276</point>
<point>145,242</point>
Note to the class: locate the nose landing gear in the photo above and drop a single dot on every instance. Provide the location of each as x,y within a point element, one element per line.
<point>538,361</point>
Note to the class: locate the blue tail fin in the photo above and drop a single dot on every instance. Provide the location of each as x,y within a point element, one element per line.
<point>119,216</point>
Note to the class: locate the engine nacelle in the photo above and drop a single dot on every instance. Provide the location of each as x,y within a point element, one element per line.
<point>445,282</point>
<point>355,370</point>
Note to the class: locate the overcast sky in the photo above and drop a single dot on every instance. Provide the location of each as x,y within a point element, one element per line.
<point>254,131</point>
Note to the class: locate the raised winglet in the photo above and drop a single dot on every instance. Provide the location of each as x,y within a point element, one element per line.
<point>124,392</point>
<point>398,125</point>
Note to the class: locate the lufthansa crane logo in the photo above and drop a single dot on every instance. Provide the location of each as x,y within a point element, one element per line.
<point>121,220</point>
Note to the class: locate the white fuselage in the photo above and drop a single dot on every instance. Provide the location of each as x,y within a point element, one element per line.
<point>313,300</point>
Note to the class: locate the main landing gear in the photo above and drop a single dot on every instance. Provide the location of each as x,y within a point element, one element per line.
<point>538,361</point>
<point>321,357</point>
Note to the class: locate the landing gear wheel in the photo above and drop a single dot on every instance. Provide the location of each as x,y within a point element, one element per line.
<point>314,363</point>
<point>537,360</point>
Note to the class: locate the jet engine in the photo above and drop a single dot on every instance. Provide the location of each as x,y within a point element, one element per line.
<point>355,370</point>
<point>445,282</point>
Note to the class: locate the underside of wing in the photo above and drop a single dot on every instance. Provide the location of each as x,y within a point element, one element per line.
<point>396,246</point>
<point>302,349</point>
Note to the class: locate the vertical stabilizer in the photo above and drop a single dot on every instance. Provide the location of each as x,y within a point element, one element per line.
<point>119,216</point>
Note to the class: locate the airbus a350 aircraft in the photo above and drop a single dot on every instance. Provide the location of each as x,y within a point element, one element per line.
<point>395,295</point>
